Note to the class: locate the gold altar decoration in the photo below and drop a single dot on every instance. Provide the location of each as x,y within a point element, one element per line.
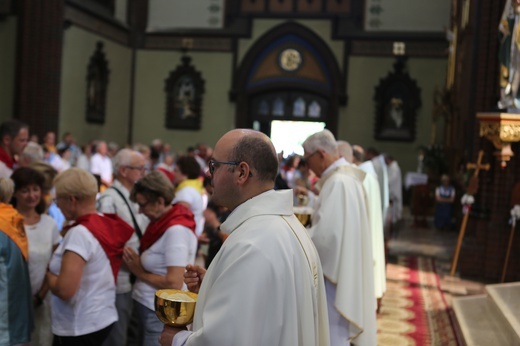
<point>501,129</point>
<point>175,308</point>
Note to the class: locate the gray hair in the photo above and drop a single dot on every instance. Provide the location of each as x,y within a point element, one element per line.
<point>33,152</point>
<point>345,150</point>
<point>323,140</point>
<point>123,158</point>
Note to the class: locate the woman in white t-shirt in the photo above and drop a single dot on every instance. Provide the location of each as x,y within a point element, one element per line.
<point>189,190</point>
<point>43,238</point>
<point>83,268</point>
<point>167,246</point>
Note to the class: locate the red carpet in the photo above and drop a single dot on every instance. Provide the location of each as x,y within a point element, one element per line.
<point>413,310</point>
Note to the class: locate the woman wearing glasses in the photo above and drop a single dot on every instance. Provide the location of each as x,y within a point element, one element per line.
<point>43,237</point>
<point>167,246</point>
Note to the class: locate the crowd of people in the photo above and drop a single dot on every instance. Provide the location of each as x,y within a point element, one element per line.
<point>89,234</point>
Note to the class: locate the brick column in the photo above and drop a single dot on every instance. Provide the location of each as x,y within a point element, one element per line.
<point>38,70</point>
<point>483,251</point>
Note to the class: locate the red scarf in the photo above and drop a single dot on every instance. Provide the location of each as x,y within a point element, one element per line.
<point>177,215</point>
<point>111,232</point>
<point>6,158</point>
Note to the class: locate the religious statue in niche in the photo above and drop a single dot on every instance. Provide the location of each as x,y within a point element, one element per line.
<point>397,99</point>
<point>184,90</point>
<point>97,85</point>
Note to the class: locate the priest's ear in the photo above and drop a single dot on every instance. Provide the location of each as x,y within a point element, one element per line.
<point>244,171</point>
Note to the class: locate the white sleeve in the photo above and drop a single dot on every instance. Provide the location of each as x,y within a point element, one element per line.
<point>105,204</point>
<point>180,338</point>
<point>79,242</point>
<point>176,246</point>
<point>183,195</point>
<point>95,165</point>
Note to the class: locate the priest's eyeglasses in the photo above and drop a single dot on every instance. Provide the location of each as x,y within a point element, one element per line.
<point>306,159</point>
<point>212,164</point>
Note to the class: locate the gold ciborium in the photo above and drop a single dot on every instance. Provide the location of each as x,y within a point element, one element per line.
<point>303,214</point>
<point>175,307</point>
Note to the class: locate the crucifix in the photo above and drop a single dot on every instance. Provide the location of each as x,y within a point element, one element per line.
<point>472,190</point>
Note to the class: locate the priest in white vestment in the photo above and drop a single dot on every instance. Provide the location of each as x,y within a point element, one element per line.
<point>341,233</point>
<point>379,164</point>
<point>375,218</point>
<point>395,185</point>
<point>265,286</point>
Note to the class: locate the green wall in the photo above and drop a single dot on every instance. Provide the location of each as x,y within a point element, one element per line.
<point>79,46</point>
<point>356,123</point>
<point>7,66</point>
<point>356,120</point>
<point>218,114</point>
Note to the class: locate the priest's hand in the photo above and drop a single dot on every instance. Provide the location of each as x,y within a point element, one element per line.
<point>132,261</point>
<point>300,190</point>
<point>193,277</point>
<point>167,335</point>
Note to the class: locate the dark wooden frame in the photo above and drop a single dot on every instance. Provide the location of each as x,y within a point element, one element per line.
<point>97,86</point>
<point>397,98</point>
<point>185,116</point>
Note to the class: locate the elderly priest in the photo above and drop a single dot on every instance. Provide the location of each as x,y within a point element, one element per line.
<point>341,233</point>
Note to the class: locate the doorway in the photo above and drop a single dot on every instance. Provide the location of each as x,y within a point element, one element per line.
<point>288,136</point>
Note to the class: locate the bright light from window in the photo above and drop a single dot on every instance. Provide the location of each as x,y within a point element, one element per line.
<point>289,135</point>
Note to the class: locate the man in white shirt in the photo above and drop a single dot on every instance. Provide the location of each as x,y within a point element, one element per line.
<point>265,285</point>
<point>14,136</point>
<point>129,166</point>
<point>341,233</point>
<point>101,165</point>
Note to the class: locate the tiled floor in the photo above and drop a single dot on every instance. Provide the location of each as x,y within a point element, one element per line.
<point>429,242</point>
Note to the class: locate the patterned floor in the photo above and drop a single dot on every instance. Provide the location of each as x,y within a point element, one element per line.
<point>414,310</point>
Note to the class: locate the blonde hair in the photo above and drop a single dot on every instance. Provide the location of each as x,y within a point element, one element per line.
<point>6,190</point>
<point>76,182</point>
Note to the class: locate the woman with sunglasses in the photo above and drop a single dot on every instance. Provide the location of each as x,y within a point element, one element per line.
<point>43,237</point>
<point>167,246</point>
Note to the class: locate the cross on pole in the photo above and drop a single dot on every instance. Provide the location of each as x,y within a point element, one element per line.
<point>478,166</point>
<point>472,189</point>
